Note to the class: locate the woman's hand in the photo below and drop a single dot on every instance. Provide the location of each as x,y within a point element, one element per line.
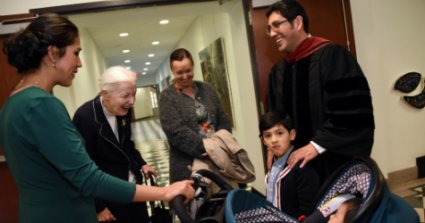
<point>184,188</point>
<point>146,169</point>
<point>105,216</point>
<point>154,193</point>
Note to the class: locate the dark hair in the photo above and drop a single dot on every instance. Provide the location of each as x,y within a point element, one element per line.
<point>179,55</point>
<point>353,206</point>
<point>273,118</point>
<point>26,48</point>
<point>289,9</point>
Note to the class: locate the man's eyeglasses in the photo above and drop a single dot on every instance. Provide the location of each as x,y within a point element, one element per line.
<point>275,25</point>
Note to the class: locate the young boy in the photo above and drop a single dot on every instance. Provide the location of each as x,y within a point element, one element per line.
<point>290,190</point>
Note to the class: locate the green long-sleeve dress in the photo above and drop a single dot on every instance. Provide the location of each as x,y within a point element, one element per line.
<point>56,178</point>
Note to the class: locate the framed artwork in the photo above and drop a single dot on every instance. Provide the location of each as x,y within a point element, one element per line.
<point>215,72</point>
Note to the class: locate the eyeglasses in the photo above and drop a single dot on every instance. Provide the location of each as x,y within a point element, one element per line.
<point>275,25</point>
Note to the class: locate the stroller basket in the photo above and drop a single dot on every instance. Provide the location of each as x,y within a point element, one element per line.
<point>360,177</point>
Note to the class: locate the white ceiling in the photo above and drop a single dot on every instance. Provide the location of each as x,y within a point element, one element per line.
<point>143,27</point>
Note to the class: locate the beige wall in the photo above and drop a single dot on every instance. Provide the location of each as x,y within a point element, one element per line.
<point>143,104</point>
<point>389,37</point>
<point>85,85</point>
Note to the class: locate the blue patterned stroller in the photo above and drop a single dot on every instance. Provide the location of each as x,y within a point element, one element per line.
<point>361,177</point>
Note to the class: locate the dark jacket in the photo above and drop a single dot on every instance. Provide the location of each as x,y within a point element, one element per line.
<point>297,190</point>
<point>113,157</point>
<point>329,99</point>
<point>179,122</point>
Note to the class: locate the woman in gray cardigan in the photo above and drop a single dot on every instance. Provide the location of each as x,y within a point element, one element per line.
<point>189,111</point>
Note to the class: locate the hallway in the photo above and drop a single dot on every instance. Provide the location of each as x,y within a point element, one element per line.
<point>152,143</point>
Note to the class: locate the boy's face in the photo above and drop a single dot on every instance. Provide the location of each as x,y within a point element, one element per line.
<point>278,139</point>
<point>338,217</point>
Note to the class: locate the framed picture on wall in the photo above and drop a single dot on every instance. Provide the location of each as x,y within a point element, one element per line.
<point>215,72</point>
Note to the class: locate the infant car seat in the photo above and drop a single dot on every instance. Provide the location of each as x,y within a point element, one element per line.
<point>360,177</point>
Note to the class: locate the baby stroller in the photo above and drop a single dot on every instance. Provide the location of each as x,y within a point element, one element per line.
<point>361,177</point>
<point>212,208</point>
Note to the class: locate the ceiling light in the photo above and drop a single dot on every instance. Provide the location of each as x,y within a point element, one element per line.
<point>127,61</point>
<point>126,51</point>
<point>164,21</point>
<point>123,34</point>
<point>143,73</point>
<point>148,63</point>
<point>151,55</point>
<point>128,68</point>
<point>155,42</point>
<point>145,69</point>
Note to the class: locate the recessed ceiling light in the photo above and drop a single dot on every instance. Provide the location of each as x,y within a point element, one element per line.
<point>148,63</point>
<point>127,61</point>
<point>164,21</point>
<point>145,69</point>
<point>143,73</point>
<point>126,51</point>
<point>123,34</point>
<point>151,55</point>
<point>155,42</point>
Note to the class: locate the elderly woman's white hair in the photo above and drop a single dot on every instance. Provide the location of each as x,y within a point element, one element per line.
<point>115,75</point>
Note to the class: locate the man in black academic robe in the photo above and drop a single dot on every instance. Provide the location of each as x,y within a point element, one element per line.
<point>324,90</point>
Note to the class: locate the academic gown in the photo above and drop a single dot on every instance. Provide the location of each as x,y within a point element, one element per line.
<point>329,99</point>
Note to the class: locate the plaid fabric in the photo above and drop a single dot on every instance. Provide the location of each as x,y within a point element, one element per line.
<point>355,180</point>
<point>265,214</point>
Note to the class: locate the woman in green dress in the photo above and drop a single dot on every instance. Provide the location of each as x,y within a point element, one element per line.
<point>56,178</point>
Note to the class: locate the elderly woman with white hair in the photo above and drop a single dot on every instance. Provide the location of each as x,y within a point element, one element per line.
<point>104,123</point>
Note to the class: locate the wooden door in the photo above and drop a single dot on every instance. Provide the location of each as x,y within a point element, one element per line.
<point>8,77</point>
<point>330,19</point>
<point>8,190</point>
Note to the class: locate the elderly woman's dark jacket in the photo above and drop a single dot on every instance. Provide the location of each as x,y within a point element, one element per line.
<point>112,156</point>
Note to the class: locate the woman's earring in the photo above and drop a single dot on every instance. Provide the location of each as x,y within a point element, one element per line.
<point>54,64</point>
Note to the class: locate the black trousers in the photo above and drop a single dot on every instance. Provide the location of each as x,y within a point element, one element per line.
<point>131,213</point>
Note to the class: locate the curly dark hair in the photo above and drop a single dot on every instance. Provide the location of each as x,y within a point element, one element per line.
<point>26,48</point>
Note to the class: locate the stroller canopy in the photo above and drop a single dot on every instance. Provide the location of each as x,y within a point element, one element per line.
<point>360,177</point>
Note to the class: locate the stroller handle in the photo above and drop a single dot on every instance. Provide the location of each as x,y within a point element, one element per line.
<point>180,209</point>
<point>178,202</point>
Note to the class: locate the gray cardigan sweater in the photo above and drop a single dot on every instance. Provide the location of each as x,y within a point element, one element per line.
<point>178,120</point>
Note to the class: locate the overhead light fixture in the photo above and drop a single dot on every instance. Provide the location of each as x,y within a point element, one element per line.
<point>127,61</point>
<point>128,68</point>
<point>123,34</point>
<point>164,21</point>
<point>145,69</point>
<point>126,51</point>
<point>148,63</point>
<point>151,55</point>
<point>143,73</point>
<point>155,42</point>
